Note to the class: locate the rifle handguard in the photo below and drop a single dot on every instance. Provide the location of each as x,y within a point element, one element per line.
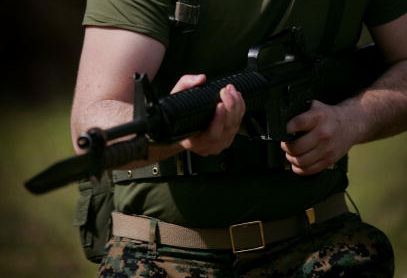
<point>193,109</point>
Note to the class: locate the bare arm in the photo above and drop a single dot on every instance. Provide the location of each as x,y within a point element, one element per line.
<point>385,102</point>
<point>104,85</point>
<point>379,111</point>
<point>104,91</point>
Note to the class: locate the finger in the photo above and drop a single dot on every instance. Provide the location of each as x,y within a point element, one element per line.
<point>240,104</point>
<point>233,105</point>
<point>304,160</point>
<point>217,125</point>
<point>311,170</point>
<point>314,161</point>
<point>207,142</point>
<point>228,99</point>
<point>302,145</point>
<point>188,81</point>
<point>187,143</point>
<point>305,121</point>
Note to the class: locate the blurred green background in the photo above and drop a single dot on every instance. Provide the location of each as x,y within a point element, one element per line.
<point>39,54</point>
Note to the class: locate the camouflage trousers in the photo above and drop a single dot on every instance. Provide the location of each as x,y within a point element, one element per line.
<point>341,247</point>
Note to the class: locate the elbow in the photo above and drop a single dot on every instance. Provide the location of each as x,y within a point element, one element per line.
<point>76,128</point>
<point>74,136</point>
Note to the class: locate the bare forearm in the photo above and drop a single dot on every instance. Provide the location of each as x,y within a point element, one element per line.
<point>330,131</point>
<point>381,110</point>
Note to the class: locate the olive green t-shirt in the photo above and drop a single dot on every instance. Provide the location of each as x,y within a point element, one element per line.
<point>219,45</point>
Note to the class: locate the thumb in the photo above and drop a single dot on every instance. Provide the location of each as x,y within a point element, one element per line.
<point>188,81</point>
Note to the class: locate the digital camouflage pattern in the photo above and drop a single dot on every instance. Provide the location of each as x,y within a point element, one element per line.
<point>341,247</point>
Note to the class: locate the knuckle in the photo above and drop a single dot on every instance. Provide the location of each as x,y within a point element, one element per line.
<point>293,160</point>
<point>325,134</point>
<point>231,105</point>
<point>289,148</point>
<point>329,160</point>
<point>319,115</point>
<point>301,121</point>
<point>288,153</point>
<point>297,121</point>
<point>300,162</point>
<point>240,101</point>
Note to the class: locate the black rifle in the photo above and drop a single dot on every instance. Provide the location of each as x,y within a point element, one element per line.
<point>278,83</point>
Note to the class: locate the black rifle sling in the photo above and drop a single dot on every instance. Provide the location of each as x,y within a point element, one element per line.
<point>332,26</point>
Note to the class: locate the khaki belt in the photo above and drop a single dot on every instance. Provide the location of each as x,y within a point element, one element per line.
<point>239,238</point>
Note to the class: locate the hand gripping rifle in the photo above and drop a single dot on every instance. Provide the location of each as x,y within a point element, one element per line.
<point>278,83</point>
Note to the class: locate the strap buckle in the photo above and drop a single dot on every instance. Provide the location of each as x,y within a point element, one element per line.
<point>242,240</point>
<point>186,13</point>
<point>184,164</point>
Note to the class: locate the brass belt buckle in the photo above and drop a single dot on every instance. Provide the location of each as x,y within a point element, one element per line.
<point>238,231</point>
<point>310,213</point>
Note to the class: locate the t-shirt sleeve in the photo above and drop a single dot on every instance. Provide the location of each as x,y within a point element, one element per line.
<point>148,17</point>
<point>382,11</point>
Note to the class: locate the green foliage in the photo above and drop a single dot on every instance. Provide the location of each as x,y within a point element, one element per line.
<point>37,238</point>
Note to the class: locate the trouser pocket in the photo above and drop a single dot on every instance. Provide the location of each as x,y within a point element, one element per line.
<point>93,215</point>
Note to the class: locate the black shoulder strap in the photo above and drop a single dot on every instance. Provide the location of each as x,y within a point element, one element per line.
<point>332,25</point>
